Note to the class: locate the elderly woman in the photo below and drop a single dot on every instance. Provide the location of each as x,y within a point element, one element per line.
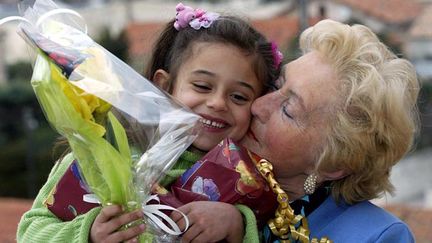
<point>343,115</point>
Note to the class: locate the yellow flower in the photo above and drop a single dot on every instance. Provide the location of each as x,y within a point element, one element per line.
<point>87,105</point>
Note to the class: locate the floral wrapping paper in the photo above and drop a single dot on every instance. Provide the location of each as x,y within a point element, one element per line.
<point>228,174</point>
<point>66,199</point>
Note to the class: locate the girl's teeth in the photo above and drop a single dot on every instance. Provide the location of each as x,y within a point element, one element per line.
<point>212,123</point>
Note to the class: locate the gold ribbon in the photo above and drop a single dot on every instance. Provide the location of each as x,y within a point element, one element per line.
<point>283,225</point>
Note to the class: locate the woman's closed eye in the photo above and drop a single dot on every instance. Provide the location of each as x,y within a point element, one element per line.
<point>290,104</point>
<point>286,108</point>
<point>286,112</point>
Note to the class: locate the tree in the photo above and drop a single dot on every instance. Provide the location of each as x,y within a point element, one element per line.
<point>117,45</point>
<point>26,139</point>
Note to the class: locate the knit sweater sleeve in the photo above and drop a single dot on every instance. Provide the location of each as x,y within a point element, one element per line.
<point>186,160</point>
<point>40,225</point>
<point>251,234</point>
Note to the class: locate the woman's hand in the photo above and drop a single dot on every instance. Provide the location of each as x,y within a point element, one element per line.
<point>210,222</point>
<point>106,226</point>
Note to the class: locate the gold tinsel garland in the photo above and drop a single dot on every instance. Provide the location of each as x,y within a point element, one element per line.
<point>283,225</point>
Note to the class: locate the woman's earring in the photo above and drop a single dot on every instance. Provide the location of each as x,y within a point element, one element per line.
<point>310,184</point>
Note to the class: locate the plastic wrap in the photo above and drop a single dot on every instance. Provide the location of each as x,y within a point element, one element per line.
<point>123,131</point>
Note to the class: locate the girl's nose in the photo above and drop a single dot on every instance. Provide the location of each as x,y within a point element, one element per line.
<point>264,106</point>
<point>217,102</point>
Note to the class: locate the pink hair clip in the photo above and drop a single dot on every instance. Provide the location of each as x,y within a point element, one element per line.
<point>204,21</point>
<point>196,18</point>
<point>277,55</point>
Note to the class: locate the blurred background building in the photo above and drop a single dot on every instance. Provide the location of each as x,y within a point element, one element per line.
<point>128,29</point>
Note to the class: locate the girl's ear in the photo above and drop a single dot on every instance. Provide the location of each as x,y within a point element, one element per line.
<point>161,79</point>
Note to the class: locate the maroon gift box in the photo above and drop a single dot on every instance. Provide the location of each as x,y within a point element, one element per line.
<point>228,174</point>
<point>66,199</point>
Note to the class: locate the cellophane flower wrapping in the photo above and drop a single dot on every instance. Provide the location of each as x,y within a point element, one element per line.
<point>123,131</point>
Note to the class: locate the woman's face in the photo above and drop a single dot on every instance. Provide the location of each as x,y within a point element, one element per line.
<point>289,125</point>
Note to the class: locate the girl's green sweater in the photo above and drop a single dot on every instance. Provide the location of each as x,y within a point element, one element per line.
<point>40,225</point>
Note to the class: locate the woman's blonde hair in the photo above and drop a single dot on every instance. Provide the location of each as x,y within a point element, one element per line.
<point>376,122</point>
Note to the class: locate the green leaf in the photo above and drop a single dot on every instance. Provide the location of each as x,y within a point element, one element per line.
<point>120,136</point>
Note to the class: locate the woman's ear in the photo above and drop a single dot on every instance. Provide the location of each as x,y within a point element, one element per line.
<point>332,176</point>
<point>161,79</point>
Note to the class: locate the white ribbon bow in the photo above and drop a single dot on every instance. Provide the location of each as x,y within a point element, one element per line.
<point>154,213</point>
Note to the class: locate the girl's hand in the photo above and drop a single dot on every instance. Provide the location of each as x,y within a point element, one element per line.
<point>106,226</point>
<point>210,222</point>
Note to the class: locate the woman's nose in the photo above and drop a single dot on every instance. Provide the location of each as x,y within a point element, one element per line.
<point>217,102</point>
<point>264,106</point>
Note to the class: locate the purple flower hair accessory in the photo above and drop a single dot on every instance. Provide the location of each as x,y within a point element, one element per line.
<point>205,20</point>
<point>277,55</point>
<point>196,18</point>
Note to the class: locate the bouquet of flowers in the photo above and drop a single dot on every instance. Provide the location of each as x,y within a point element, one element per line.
<point>123,131</point>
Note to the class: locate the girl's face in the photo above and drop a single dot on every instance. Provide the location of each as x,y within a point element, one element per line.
<point>218,82</point>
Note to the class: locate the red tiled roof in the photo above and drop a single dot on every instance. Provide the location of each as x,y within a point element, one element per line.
<point>422,25</point>
<point>142,35</point>
<point>419,220</point>
<point>11,211</point>
<point>279,29</point>
<point>391,11</point>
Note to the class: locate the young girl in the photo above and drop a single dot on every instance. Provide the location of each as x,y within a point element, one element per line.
<point>216,71</point>
<point>216,65</point>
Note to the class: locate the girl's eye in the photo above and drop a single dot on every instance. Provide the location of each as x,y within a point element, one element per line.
<point>239,99</point>
<point>201,87</point>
